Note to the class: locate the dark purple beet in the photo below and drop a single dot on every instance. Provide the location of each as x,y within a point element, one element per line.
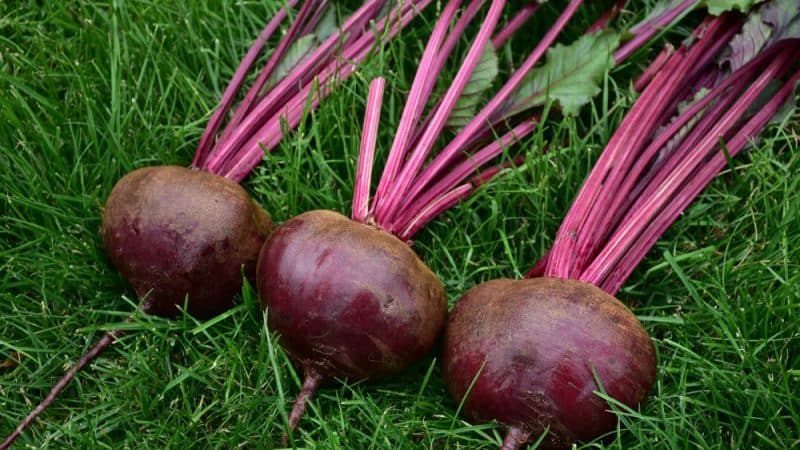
<point>541,339</point>
<point>173,232</point>
<point>348,299</point>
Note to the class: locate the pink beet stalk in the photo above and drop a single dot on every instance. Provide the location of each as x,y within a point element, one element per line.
<point>412,190</point>
<point>425,145</point>
<point>601,23</point>
<point>206,141</point>
<point>679,180</point>
<point>238,149</point>
<point>462,171</point>
<point>647,30</point>
<point>413,107</point>
<point>268,136</point>
<point>366,155</point>
<point>227,150</point>
<point>658,168</point>
<point>291,36</point>
<point>502,36</point>
<point>483,118</point>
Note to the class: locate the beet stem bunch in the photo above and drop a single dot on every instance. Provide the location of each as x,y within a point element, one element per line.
<point>257,124</point>
<point>658,168</point>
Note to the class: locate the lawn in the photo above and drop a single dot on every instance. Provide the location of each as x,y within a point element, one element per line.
<point>92,90</point>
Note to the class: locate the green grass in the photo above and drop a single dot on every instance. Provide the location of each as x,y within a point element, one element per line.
<point>89,92</point>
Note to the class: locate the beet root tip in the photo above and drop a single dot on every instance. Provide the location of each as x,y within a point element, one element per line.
<point>98,348</point>
<point>311,382</point>
<point>515,438</point>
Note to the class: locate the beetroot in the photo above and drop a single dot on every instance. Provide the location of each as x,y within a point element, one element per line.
<point>348,299</point>
<point>535,349</point>
<point>538,349</point>
<point>167,229</point>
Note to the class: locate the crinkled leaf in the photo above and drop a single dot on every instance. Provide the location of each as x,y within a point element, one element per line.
<point>481,80</point>
<point>748,43</point>
<point>774,21</point>
<point>571,76</point>
<point>784,18</point>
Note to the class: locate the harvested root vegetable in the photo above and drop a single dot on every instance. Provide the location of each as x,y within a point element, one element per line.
<point>185,236</point>
<point>537,345</point>
<point>534,354</point>
<point>167,229</point>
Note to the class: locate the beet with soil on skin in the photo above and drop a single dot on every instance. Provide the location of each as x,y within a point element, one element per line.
<point>174,233</point>
<point>535,347</point>
<point>348,299</point>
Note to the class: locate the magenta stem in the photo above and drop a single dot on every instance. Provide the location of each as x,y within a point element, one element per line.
<point>483,117</point>
<point>456,34</point>
<point>289,38</point>
<point>287,87</point>
<point>461,172</point>
<point>664,102</point>
<point>385,209</point>
<point>644,32</point>
<point>573,246</point>
<point>644,79</point>
<point>436,207</point>
<point>513,25</point>
<point>270,133</point>
<point>415,103</point>
<point>625,266</point>
<point>643,213</point>
<point>207,139</point>
<point>626,173</point>
<point>607,17</point>
<point>366,155</point>
<point>636,126</point>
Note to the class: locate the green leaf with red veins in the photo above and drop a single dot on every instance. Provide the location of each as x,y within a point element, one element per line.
<point>571,76</point>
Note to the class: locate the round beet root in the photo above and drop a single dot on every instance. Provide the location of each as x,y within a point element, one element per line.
<point>540,343</point>
<point>348,299</point>
<point>173,232</point>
